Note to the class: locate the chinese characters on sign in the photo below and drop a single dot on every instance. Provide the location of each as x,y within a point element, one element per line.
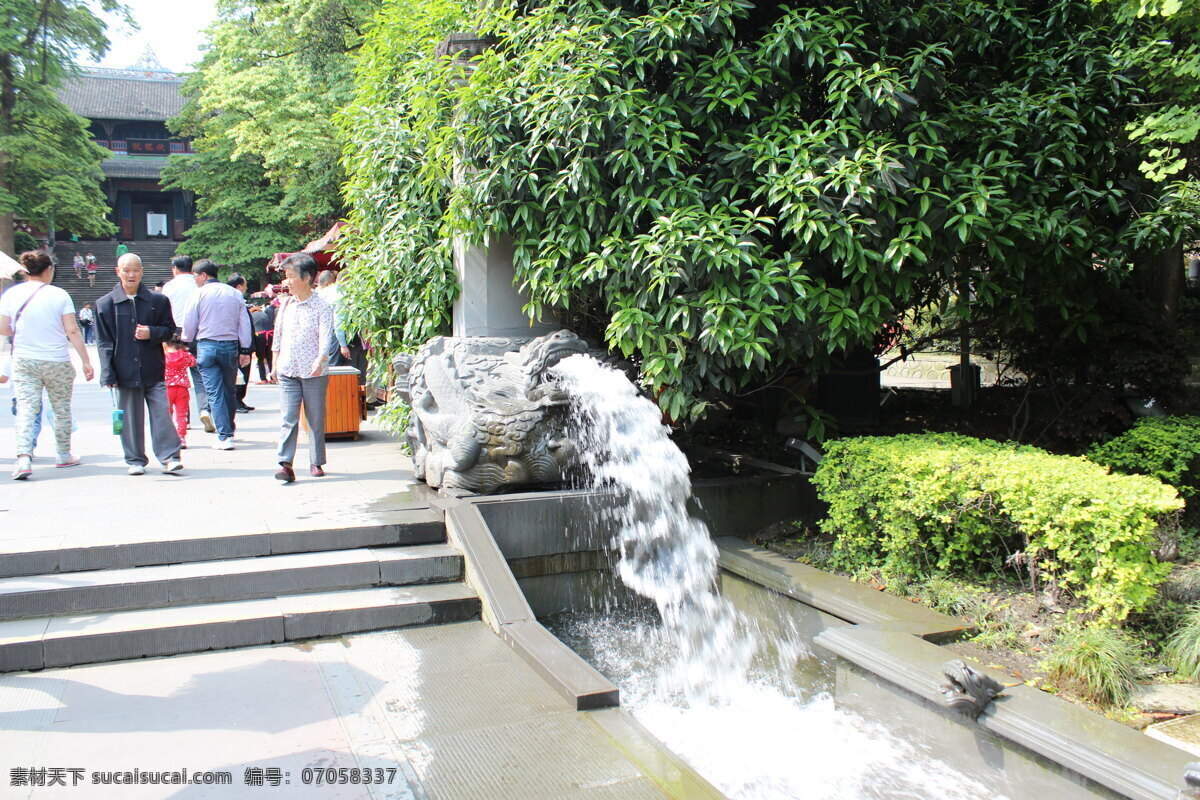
<point>148,147</point>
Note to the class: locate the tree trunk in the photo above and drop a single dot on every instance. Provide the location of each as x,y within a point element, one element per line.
<point>51,235</point>
<point>8,99</point>
<point>6,235</point>
<point>1162,281</point>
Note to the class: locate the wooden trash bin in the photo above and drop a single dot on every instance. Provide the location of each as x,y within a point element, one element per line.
<point>344,406</point>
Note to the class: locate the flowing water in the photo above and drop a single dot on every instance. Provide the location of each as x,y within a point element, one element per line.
<point>708,681</point>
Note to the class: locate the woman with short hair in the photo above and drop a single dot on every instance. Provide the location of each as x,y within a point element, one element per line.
<point>40,318</point>
<point>303,334</point>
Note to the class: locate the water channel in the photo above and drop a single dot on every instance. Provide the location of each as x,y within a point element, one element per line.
<point>719,669</point>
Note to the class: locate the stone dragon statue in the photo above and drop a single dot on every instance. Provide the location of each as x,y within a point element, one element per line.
<point>485,412</point>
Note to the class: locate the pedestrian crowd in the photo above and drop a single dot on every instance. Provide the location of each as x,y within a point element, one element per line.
<point>195,332</point>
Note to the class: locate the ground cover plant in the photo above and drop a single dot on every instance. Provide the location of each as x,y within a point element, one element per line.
<point>943,503</point>
<point>1168,448</point>
<point>1054,640</point>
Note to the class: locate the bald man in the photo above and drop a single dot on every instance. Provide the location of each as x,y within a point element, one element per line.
<point>132,323</point>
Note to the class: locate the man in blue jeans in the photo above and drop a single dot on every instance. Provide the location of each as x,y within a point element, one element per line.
<point>216,320</point>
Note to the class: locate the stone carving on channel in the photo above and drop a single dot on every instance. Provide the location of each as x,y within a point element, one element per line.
<point>1191,781</point>
<point>968,691</point>
<point>486,414</point>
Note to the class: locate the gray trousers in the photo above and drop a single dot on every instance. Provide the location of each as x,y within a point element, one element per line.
<point>163,437</point>
<point>292,392</point>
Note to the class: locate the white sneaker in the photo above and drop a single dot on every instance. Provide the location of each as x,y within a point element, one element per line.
<point>171,467</point>
<point>23,469</point>
<point>207,421</point>
<point>223,444</point>
<point>137,469</point>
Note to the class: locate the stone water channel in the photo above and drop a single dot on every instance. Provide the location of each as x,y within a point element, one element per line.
<point>769,678</point>
<point>732,688</point>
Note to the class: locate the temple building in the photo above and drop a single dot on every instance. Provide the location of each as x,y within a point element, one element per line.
<point>128,110</point>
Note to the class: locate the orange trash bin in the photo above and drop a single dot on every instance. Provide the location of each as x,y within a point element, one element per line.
<point>344,405</point>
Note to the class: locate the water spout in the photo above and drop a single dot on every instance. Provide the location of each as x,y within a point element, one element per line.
<point>703,677</point>
<point>666,555</point>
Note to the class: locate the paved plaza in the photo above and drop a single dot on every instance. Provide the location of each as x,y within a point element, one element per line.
<point>219,492</point>
<point>441,711</point>
<point>437,712</point>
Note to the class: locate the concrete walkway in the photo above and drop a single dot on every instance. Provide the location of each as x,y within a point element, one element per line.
<point>439,712</point>
<point>435,712</point>
<point>219,492</point>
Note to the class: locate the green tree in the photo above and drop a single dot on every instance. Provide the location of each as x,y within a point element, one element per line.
<point>400,280</point>
<point>734,193</point>
<point>49,167</point>
<point>1168,57</point>
<point>1169,54</point>
<point>260,107</point>
<point>241,218</point>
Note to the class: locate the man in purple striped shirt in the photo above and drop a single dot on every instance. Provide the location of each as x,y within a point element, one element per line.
<point>216,320</point>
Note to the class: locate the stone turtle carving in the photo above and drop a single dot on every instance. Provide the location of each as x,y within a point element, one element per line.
<point>968,691</point>
<point>486,413</point>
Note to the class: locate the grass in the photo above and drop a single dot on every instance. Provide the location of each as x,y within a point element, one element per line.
<point>1182,648</point>
<point>1183,586</point>
<point>1099,664</point>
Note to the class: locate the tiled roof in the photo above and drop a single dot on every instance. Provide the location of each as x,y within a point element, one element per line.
<point>117,96</point>
<point>133,166</point>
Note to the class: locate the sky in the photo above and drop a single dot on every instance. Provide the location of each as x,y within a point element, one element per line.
<point>174,28</point>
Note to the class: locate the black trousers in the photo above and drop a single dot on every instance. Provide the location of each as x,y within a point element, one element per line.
<point>262,351</point>
<point>240,392</point>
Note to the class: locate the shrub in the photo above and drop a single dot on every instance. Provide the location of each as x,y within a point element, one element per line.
<point>1098,663</point>
<point>23,241</point>
<point>1166,447</point>
<point>1183,647</point>
<point>943,503</point>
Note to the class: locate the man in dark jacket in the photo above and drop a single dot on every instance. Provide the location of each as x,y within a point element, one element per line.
<point>131,325</point>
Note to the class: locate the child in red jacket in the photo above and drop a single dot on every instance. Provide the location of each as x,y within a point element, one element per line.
<point>176,377</point>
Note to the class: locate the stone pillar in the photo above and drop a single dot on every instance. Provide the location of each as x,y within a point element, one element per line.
<point>489,303</point>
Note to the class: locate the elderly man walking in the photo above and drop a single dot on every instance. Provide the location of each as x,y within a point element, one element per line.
<point>132,323</point>
<point>218,323</point>
<point>182,289</point>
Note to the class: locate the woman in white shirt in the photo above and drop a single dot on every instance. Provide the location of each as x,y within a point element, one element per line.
<point>41,319</point>
<point>303,334</point>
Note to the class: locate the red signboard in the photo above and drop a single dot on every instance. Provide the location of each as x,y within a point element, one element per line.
<point>148,147</point>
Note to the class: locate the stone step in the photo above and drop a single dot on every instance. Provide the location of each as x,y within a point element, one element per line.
<point>156,266</point>
<point>232,579</point>
<point>66,641</point>
<point>405,527</point>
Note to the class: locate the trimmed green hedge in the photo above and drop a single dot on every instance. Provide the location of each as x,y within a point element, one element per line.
<point>1167,448</point>
<point>943,503</point>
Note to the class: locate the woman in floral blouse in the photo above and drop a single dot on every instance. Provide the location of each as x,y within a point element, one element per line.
<point>301,345</point>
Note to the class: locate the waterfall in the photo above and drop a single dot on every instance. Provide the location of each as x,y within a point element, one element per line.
<point>666,555</point>
<point>708,681</point>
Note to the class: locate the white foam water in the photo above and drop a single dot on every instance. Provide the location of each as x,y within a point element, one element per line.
<point>666,554</point>
<point>773,738</point>
<point>699,676</point>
